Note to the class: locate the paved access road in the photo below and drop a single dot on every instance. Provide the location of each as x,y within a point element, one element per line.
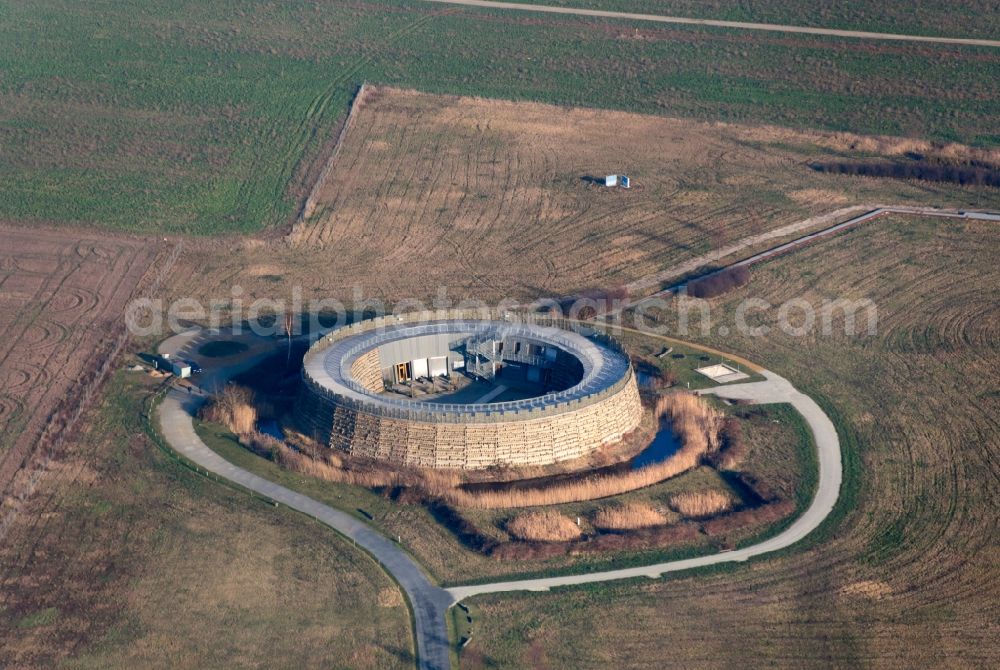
<point>741,25</point>
<point>429,602</point>
<point>775,389</point>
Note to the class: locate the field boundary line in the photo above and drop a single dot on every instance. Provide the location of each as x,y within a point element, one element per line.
<point>718,23</point>
<point>309,206</point>
<point>867,213</point>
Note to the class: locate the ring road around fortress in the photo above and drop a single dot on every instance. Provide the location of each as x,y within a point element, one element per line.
<point>577,391</point>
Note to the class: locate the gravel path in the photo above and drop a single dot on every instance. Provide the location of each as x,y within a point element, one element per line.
<point>429,602</point>
<point>833,223</point>
<point>775,389</point>
<point>741,25</point>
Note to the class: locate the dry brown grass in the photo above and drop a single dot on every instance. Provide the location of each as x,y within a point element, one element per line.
<point>694,421</point>
<point>701,504</point>
<point>60,327</point>
<point>233,408</point>
<point>543,526</point>
<point>211,577</point>
<point>489,196</point>
<point>629,516</point>
<point>332,467</point>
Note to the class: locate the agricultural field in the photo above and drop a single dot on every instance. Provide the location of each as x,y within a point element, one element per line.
<point>461,148</point>
<point>124,558</point>
<point>214,118</point>
<point>493,199</point>
<point>904,573</point>
<point>62,297</point>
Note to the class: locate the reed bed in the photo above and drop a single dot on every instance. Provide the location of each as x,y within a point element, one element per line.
<point>701,504</point>
<point>234,408</point>
<point>330,467</point>
<point>543,526</point>
<point>630,516</point>
<point>696,425</point>
<point>695,422</point>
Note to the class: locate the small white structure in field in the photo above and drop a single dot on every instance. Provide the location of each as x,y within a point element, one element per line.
<point>181,369</point>
<point>626,183</point>
<point>178,367</point>
<point>611,180</point>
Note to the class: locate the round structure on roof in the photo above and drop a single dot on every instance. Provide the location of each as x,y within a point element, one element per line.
<point>455,390</point>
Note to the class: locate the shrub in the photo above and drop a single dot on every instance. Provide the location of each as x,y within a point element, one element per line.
<point>974,173</point>
<point>701,504</point>
<point>543,526</point>
<point>628,517</point>
<point>717,284</point>
<point>733,448</point>
<point>524,551</point>
<point>233,408</point>
<point>764,514</point>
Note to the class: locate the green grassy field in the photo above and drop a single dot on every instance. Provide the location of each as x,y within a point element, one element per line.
<point>209,118</point>
<point>904,573</point>
<point>124,558</point>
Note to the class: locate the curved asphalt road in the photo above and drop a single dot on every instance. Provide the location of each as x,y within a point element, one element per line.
<point>429,602</point>
<point>741,25</point>
<point>775,389</point>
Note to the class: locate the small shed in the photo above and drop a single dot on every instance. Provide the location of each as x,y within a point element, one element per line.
<point>626,182</point>
<point>611,180</point>
<point>181,369</point>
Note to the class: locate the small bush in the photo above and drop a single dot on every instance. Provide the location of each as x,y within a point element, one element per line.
<point>628,517</point>
<point>701,504</point>
<point>717,284</point>
<point>233,408</point>
<point>764,514</point>
<point>543,526</point>
<point>733,449</point>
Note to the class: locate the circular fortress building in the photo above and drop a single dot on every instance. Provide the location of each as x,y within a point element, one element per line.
<point>445,390</point>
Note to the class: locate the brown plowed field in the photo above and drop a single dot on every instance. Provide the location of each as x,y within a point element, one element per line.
<point>61,306</point>
<point>498,191</point>
<point>907,574</point>
<point>492,199</point>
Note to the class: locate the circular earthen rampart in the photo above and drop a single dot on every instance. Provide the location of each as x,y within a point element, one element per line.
<point>589,395</point>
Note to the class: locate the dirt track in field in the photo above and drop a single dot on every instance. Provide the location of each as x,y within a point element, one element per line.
<point>738,25</point>
<point>62,297</point>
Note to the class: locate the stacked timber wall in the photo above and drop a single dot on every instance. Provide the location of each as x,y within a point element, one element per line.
<point>474,445</point>
<point>547,431</point>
